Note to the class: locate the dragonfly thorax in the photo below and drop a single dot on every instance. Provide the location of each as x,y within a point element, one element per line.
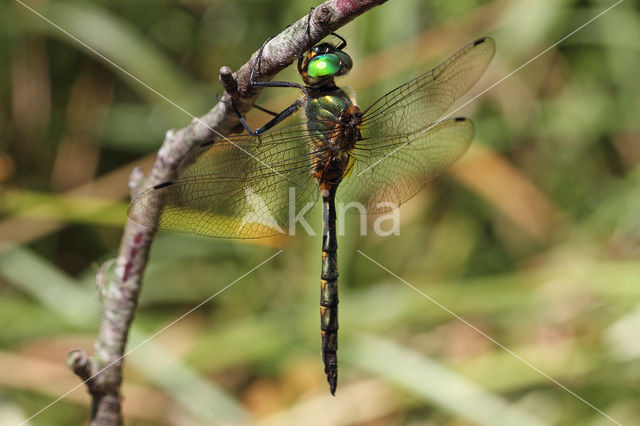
<point>333,121</point>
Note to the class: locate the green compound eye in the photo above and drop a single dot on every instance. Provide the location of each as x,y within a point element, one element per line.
<point>323,66</point>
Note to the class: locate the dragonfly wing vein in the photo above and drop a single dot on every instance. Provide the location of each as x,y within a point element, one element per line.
<point>409,163</point>
<point>246,188</point>
<point>418,103</point>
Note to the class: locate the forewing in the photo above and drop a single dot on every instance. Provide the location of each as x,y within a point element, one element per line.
<point>244,187</point>
<point>418,103</point>
<point>404,146</point>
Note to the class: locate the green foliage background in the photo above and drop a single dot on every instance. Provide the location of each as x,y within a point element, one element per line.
<point>533,237</point>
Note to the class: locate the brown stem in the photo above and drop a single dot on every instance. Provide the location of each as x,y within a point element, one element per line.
<point>120,290</point>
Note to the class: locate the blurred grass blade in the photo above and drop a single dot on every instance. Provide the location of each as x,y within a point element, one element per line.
<point>63,207</point>
<point>49,286</point>
<point>185,385</point>
<point>495,179</point>
<point>435,383</point>
<point>122,44</point>
<point>65,297</point>
<point>622,336</point>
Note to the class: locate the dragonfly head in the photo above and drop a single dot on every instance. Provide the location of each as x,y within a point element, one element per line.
<point>322,63</point>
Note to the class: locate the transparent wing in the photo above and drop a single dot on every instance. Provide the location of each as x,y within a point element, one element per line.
<point>421,101</point>
<point>251,187</point>
<point>402,149</point>
<point>387,172</point>
<point>247,187</point>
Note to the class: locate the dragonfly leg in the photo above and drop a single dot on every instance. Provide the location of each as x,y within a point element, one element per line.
<point>278,117</point>
<point>274,121</point>
<point>219,99</point>
<point>343,42</point>
<point>256,64</point>
<point>301,51</point>
<point>265,110</point>
<point>308,31</point>
<point>276,84</point>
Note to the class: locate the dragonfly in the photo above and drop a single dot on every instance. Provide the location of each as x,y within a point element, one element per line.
<point>248,185</point>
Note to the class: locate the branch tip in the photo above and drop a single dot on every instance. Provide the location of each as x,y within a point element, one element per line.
<point>228,81</point>
<point>79,362</point>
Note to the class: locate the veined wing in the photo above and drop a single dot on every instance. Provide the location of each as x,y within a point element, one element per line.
<point>403,146</point>
<point>389,171</point>
<point>418,103</point>
<point>247,187</point>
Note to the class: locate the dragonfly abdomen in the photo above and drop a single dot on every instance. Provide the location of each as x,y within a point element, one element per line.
<point>329,287</point>
<point>334,127</point>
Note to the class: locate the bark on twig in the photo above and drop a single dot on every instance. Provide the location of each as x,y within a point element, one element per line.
<point>102,372</point>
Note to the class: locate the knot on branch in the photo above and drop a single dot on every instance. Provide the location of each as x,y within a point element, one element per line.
<point>322,15</point>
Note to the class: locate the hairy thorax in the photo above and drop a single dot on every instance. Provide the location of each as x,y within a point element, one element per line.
<point>333,122</point>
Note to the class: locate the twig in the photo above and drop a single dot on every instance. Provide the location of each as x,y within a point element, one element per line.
<point>103,372</point>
